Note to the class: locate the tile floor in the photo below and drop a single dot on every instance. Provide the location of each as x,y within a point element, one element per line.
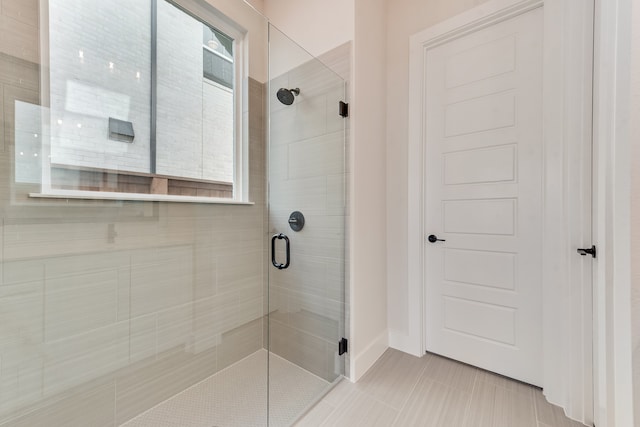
<point>400,390</point>
<point>432,391</point>
<point>237,397</point>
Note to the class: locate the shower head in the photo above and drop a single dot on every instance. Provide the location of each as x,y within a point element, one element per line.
<point>287,96</point>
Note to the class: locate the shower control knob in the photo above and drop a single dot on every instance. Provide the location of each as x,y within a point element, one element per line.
<point>296,221</point>
<point>433,238</point>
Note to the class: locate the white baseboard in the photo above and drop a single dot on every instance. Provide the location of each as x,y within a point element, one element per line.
<point>364,360</point>
<point>405,343</point>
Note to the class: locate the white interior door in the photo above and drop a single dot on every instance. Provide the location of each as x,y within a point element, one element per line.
<point>483,197</point>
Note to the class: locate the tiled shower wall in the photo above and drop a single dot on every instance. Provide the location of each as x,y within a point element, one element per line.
<point>108,308</point>
<point>307,160</point>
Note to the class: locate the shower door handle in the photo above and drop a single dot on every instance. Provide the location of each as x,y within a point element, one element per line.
<point>275,263</point>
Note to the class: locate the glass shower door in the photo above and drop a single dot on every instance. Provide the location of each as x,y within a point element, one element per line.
<point>306,214</point>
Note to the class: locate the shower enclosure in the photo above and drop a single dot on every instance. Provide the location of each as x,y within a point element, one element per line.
<point>307,227</point>
<point>172,238</point>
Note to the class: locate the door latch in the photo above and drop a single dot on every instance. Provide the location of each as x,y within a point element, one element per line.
<point>588,251</point>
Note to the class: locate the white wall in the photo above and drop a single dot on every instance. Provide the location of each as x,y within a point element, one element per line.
<point>284,54</point>
<point>613,226</point>
<point>635,208</point>
<point>317,26</point>
<point>257,5</point>
<point>405,18</point>
<point>368,253</point>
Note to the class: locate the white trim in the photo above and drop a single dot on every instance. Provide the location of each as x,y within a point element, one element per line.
<point>364,360</point>
<point>104,195</point>
<point>45,94</point>
<point>401,341</point>
<point>218,54</point>
<point>485,15</point>
<point>208,15</point>
<point>567,124</point>
<point>612,311</point>
<point>567,291</point>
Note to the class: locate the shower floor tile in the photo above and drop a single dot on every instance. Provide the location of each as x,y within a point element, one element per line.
<point>237,396</point>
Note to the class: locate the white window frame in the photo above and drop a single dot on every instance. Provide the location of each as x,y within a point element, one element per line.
<point>212,17</point>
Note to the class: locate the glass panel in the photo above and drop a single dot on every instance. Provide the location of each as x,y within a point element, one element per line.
<point>195,103</point>
<point>306,174</point>
<point>109,308</point>
<point>100,64</point>
<point>143,92</point>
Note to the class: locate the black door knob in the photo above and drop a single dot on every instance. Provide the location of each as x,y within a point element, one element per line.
<point>433,238</point>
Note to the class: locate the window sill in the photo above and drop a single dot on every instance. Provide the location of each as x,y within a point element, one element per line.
<point>100,195</point>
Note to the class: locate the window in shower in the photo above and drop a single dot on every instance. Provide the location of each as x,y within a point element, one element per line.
<point>144,99</point>
<point>217,57</point>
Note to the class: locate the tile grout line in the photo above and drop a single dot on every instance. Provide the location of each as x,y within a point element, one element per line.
<point>413,389</point>
<point>468,408</point>
<point>370,396</point>
<point>453,388</point>
<point>377,400</point>
<point>531,395</point>
<point>324,423</point>
<point>309,408</point>
<point>335,408</point>
<point>535,409</point>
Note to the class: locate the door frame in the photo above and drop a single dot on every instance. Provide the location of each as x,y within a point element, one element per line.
<point>613,127</point>
<point>567,123</point>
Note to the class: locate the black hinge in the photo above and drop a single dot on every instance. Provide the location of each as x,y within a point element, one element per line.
<point>343,109</point>
<point>343,346</point>
<point>588,251</point>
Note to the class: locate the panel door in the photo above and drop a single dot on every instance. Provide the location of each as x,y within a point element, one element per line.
<point>483,198</point>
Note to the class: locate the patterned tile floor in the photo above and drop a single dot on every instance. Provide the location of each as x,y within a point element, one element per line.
<point>400,390</point>
<point>237,396</point>
<point>433,391</point>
